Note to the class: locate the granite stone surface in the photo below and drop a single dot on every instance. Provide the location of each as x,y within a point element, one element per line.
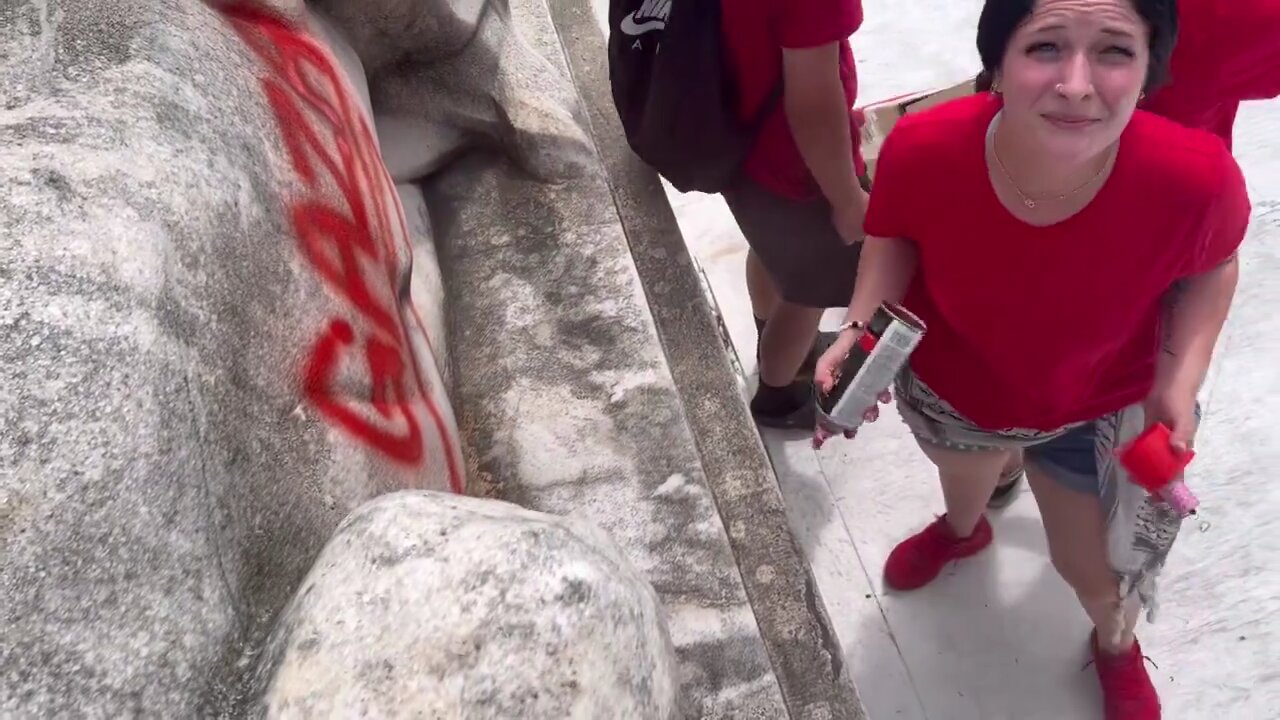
<point>426,605</point>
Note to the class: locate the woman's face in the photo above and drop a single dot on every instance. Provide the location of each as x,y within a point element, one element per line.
<point>1073,74</point>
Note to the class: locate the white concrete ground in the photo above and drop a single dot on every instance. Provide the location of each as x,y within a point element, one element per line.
<point>1001,636</point>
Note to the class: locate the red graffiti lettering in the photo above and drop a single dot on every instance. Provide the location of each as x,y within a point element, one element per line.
<point>335,246</point>
<point>389,398</point>
<point>351,246</point>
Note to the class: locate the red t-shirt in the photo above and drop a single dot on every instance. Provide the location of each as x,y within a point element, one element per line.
<point>755,31</point>
<point>1042,327</point>
<point>1227,51</point>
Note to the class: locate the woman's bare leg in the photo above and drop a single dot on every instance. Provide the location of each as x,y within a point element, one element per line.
<point>1077,533</point>
<point>967,478</point>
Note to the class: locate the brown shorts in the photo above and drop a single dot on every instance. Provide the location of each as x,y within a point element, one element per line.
<point>797,244</point>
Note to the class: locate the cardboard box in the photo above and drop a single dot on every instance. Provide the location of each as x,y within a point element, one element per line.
<point>879,118</point>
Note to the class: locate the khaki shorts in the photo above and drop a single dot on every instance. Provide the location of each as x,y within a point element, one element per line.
<point>797,243</point>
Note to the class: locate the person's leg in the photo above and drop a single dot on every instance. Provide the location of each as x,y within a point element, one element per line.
<point>1062,475</point>
<point>761,289</point>
<point>765,302</point>
<point>797,267</point>
<point>786,342</point>
<point>1077,534</point>
<point>968,460</point>
<point>793,327</point>
<point>967,477</point>
<point>783,399</point>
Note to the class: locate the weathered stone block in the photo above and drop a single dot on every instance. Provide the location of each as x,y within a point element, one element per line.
<point>426,605</point>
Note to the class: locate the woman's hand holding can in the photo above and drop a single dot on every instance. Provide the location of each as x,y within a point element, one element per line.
<point>821,434</point>
<point>825,375</point>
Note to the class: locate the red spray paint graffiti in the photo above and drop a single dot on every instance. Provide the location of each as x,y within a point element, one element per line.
<point>352,249</point>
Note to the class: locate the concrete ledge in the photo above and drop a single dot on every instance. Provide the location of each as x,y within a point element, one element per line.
<point>779,585</point>
<point>562,387</point>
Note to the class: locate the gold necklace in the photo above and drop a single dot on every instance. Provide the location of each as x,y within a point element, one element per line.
<point>1031,202</point>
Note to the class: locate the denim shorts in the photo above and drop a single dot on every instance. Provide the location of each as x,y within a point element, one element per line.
<point>1068,455</point>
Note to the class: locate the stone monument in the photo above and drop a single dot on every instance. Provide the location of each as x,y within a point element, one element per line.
<point>229,460</point>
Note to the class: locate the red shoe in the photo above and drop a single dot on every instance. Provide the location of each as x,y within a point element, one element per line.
<point>918,559</point>
<point>1127,692</point>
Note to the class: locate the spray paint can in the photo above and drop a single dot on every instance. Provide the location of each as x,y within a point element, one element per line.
<point>881,351</point>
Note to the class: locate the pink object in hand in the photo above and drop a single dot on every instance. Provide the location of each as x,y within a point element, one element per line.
<point>1180,498</point>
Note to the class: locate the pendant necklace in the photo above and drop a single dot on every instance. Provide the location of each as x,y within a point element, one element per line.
<point>1031,202</point>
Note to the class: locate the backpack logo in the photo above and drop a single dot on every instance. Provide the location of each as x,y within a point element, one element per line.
<point>652,15</point>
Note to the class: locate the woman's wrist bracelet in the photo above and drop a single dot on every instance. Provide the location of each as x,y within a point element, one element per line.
<point>851,325</point>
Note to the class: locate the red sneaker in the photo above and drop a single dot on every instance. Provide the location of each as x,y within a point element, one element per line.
<point>918,559</point>
<point>1127,692</point>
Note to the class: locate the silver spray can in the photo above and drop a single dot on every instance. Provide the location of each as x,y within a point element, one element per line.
<point>870,368</point>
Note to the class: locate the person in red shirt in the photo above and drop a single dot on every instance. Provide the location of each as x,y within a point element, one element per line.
<point>1074,260</point>
<point>1227,53</point>
<point>799,199</point>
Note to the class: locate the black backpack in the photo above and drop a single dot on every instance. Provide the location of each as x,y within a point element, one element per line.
<point>674,93</point>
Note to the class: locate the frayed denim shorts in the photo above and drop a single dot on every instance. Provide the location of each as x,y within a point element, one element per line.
<point>1068,455</point>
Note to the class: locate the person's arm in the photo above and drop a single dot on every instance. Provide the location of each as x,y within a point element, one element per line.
<point>1196,310</point>
<point>1196,306</point>
<point>885,269</point>
<point>890,256</point>
<point>818,113</point>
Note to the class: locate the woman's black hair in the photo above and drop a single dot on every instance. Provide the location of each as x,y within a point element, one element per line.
<point>1001,18</point>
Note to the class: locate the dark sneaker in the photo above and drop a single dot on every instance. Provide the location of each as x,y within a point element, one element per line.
<point>798,416</point>
<point>1007,490</point>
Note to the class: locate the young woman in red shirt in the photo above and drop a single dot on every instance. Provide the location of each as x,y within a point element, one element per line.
<point>1227,53</point>
<point>1074,260</point>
